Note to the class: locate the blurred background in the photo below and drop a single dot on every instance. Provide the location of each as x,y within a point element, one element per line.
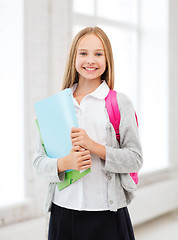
<point>35,36</point>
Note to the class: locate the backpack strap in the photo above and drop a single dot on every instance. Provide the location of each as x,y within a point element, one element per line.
<point>115,117</point>
<point>113,111</point>
<point>136,119</point>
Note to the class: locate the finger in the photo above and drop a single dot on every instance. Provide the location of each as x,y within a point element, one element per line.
<point>75,144</point>
<point>86,166</point>
<point>86,162</point>
<point>74,135</point>
<point>75,129</point>
<point>86,157</point>
<point>83,149</point>
<point>76,148</point>
<point>76,139</point>
<point>85,153</point>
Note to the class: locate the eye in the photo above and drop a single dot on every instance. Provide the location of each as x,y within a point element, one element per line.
<point>83,53</point>
<point>99,54</point>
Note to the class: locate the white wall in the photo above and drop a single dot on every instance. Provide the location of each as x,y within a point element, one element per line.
<point>35,229</point>
<point>46,41</point>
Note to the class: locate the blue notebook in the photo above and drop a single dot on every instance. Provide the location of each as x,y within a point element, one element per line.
<point>55,118</point>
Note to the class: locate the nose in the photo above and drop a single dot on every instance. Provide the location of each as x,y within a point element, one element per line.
<point>90,60</point>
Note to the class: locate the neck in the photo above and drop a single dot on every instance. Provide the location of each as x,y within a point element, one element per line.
<point>87,86</point>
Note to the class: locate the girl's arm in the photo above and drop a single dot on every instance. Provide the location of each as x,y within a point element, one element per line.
<point>46,166</point>
<point>127,158</point>
<point>53,169</point>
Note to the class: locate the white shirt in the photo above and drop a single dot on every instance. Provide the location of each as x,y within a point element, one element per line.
<point>89,192</point>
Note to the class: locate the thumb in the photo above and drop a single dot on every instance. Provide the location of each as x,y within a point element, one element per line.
<point>77,148</point>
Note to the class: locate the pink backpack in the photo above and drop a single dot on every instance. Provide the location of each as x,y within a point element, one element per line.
<point>114,116</point>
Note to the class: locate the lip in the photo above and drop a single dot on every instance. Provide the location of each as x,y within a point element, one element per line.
<point>90,69</point>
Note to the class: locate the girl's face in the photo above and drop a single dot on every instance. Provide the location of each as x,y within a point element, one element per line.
<point>90,58</point>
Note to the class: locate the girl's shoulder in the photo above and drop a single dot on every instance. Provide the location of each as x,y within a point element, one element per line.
<point>123,100</point>
<point>126,108</point>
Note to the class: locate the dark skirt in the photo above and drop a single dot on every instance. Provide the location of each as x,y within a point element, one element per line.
<point>67,224</point>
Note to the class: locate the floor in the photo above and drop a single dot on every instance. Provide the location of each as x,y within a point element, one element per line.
<point>162,228</point>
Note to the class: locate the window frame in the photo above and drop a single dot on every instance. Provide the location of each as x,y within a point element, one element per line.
<point>94,20</point>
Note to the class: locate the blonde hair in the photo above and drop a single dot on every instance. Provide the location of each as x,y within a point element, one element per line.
<point>71,75</point>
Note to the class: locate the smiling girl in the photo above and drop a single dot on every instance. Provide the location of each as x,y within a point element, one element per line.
<point>95,206</point>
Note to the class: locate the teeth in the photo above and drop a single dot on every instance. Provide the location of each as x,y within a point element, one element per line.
<point>90,69</point>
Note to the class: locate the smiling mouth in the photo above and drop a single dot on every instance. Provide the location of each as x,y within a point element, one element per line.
<point>90,69</point>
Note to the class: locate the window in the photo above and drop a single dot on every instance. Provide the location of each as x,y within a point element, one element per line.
<point>11,102</point>
<point>138,31</point>
<point>154,83</point>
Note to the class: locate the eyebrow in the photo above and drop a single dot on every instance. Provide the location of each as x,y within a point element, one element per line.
<point>87,50</point>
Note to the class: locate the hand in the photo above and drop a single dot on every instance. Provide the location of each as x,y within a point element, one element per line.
<point>80,138</point>
<point>79,159</point>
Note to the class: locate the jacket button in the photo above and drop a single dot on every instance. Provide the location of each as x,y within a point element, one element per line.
<point>111,202</point>
<point>109,177</point>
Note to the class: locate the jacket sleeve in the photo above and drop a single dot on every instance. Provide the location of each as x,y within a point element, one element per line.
<point>127,158</point>
<point>45,166</point>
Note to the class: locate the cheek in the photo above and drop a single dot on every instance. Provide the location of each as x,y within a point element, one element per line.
<point>77,64</point>
<point>103,65</point>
